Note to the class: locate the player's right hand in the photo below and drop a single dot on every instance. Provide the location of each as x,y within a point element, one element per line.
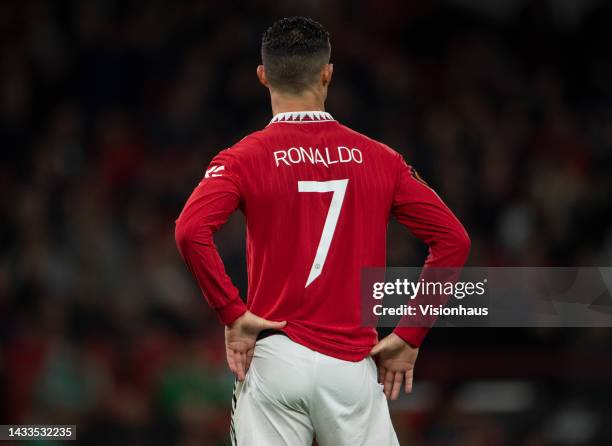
<point>396,360</point>
<point>240,338</point>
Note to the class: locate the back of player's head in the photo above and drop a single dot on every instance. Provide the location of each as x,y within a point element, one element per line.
<point>293,51</point>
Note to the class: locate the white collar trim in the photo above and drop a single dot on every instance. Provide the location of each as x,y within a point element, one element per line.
<point>302,117</point>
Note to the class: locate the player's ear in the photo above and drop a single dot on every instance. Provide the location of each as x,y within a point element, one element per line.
<point>261,75</point>
<point>326,74</point>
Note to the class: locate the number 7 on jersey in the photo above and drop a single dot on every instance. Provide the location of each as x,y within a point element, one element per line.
<point>338,187</point>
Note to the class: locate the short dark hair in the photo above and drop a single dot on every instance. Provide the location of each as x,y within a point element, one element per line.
<point>293,51</point>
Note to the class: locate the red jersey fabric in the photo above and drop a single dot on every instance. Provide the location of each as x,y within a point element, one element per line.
<point>317,197</point>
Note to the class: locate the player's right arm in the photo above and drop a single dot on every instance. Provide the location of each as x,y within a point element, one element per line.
<point>418,207</point>
<point>422,211</point>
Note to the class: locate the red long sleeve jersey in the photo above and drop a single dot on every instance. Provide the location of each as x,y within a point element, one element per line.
<point>317,198</point>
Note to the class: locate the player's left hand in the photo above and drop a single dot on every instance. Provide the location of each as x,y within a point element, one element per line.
<point>396,360</point>
<point>240,338</point>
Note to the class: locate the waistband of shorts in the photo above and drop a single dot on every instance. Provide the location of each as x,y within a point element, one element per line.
<point>269,332</point>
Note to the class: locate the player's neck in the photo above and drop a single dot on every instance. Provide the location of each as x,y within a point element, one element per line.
<point>309,101</point>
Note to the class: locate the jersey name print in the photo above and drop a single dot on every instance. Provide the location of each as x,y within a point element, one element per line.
<point>325,157</point>
<point>317,197</point>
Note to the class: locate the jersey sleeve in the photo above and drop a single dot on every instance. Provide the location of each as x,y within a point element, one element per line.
<point>422,211</point>
<point>207,209</point>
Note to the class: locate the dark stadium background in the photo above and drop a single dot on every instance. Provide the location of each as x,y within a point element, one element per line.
<point>110,111</point>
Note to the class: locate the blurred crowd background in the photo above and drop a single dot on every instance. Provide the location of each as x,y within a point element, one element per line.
<point>110,112</point>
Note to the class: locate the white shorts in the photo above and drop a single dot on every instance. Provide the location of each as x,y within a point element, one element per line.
<point>293,394</point>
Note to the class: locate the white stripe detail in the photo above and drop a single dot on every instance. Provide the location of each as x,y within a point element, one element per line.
<point>214,171</point>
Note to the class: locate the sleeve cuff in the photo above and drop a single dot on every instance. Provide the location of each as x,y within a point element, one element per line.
<point>412,335</point>
<point>232,311</point>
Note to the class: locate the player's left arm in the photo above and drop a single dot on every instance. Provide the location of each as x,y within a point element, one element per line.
<point>207,209</point>
<point>211,203</point>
